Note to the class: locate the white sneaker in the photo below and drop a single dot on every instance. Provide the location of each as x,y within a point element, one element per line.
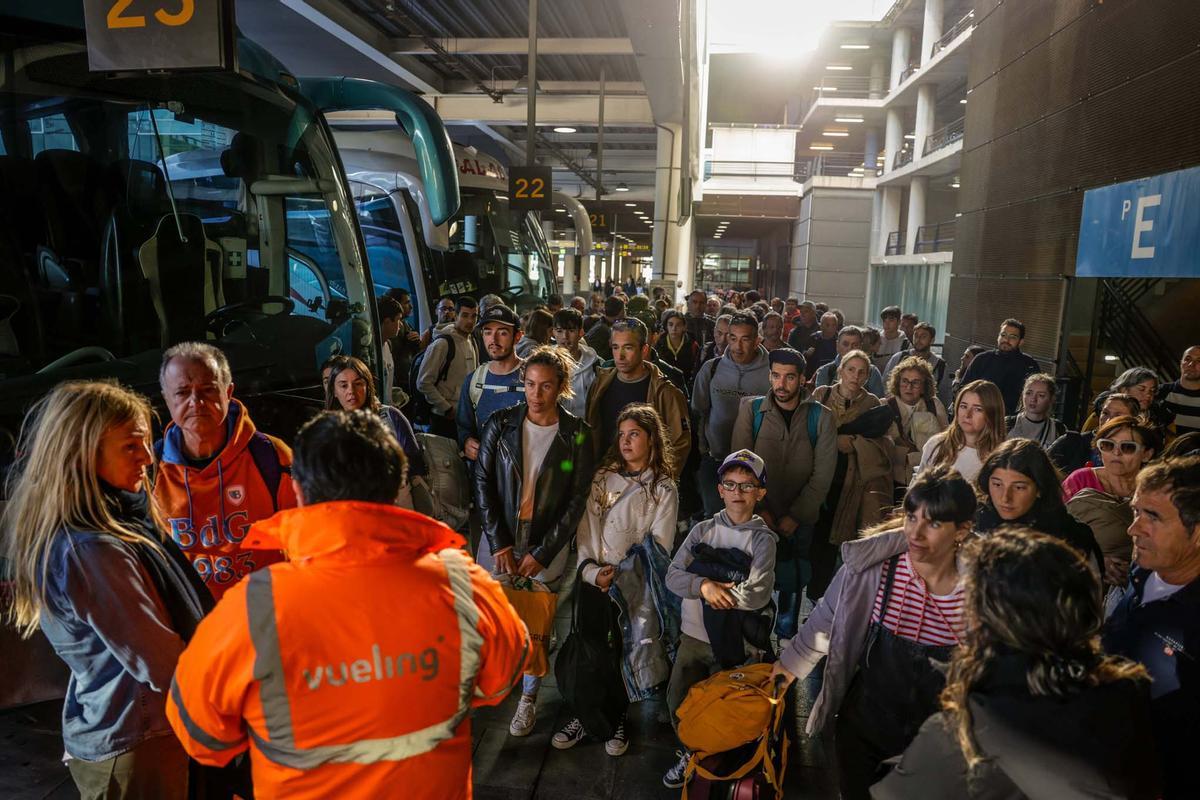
<point>523,721</point>
<point>571,735</point>
<point>619,743</point>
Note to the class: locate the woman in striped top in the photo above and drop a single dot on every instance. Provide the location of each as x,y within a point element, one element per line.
<point>893,608</point>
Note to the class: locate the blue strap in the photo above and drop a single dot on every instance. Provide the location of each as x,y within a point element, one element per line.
<point>814,419</point>
<point>756,406</point>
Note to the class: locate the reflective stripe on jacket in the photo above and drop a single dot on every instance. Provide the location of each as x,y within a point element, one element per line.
<point>349,671</point>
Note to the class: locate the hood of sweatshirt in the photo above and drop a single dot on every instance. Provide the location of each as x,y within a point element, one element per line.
<point>755,526</point>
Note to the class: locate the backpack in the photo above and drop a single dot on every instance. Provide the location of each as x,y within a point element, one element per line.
<point>478,380</point>
<point>422,412</point>
<point>740,712</point>
<point>447,479</point>
<point>814,419</point>
<point>266,462</point>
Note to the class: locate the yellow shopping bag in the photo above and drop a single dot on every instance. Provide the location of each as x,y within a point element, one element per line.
<point>535,604</point>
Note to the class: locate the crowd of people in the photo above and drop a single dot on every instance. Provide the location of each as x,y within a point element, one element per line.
<point>997,606</point>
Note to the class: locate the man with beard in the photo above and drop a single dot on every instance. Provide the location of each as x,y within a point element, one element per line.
<point>1006,366</point>
<point>699,324</point>
<point>494,384</point>
<point>795,437</point>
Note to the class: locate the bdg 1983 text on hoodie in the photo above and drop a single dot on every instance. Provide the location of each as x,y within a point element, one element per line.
<point>210,508</point>
<point>752,594</point>
<point>718,393</point>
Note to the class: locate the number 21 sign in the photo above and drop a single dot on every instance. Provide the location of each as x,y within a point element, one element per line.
<point>529,189</point>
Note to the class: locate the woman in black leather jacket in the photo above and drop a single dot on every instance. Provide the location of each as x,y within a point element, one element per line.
<point>531,487</point>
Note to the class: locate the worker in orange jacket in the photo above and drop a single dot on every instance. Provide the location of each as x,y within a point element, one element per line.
<point>217,475</point>
<point>349,670</point>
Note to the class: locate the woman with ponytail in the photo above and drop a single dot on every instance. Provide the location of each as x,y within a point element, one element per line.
<point>1032,708</point>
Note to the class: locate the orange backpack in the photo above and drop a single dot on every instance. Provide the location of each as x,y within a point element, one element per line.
<point>730,710</point>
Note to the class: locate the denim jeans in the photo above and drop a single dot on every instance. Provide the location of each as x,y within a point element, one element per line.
<point>706,484</point>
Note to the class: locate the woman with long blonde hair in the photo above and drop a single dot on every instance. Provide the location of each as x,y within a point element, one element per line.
<point>632,499</point>
<point>976,430</point>
<point>1032,707</point>
<point>91,567</point>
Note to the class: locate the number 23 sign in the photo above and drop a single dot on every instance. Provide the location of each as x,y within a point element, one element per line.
<point>529,189</point>
<point>157,35</point>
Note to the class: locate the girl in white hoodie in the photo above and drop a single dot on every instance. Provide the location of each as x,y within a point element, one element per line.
<point>632,495</point>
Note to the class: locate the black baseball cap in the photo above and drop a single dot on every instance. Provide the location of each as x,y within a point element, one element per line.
<point>501,314</point>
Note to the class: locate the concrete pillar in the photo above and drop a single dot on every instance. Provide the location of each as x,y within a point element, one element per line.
<point>893,137</point>
<point>931,30</point>
<point>901,43</point>
<point>878,81</point>
<point>870,151</point>
<point>889,216</point>
<point>916,211</point>
<point>876,221</point>
<point>926,104</point>
<point>673,244</point>
<point>570,264</point>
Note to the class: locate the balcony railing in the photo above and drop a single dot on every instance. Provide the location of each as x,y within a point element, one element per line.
<point>945,136</point>
<point>936,238</point>
<point>833,165</point>
<point>895,244</point>
<point>787,170</point>
<point>904,157</point>
<point>854,87</point>
<point>949,36</point>
<point>908,72</point>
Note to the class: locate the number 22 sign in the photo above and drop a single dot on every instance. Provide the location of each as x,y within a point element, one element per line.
<point>159,35</point>
<point>529,189</point>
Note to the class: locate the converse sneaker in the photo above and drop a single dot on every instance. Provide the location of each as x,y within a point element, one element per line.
<point>675,776</point>
<point>523,721</point>
<point>571,734</point>
<point>619,743</point>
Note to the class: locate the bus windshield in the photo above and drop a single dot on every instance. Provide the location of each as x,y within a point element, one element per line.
<point>142,211</point>
<point>494,249</point>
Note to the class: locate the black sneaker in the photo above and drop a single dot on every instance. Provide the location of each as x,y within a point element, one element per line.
<point>571,734</point>
<point>676,776</point>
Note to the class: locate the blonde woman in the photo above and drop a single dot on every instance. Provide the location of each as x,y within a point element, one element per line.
<point>632,496</point>
<point>116,599</point>
<point>978,429</point>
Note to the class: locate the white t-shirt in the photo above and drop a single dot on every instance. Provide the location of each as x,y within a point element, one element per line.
<point>535,443</point>
<point>967,463</point>
<point>1157,589</point>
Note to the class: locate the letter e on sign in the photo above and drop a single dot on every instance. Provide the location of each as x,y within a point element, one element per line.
<point>1142,225</point>
<point>530,189</point>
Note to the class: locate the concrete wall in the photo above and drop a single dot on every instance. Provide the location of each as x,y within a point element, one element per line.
<point>831,248</point>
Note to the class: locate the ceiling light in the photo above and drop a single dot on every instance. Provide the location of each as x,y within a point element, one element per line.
<point>631,205</point>
<point>621,187</point>
<point>963,101</point>
<point>564,129</point>
<point>835,133</point>
<point>824,88</point>
<point>910,136</point>
<point>820,147</point>
<point>839,67</point>
<point>562,211</point>
<point>856,47</point>
<point>847,119</point>
<point>1110,358</point>
<point>955,184</point>
<point>724,222</point>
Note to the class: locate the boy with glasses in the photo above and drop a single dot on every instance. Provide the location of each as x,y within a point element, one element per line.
<point>716,609</point>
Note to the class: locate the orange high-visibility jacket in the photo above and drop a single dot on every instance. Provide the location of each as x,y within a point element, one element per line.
<point>349,670</point>
<point>210,510</point>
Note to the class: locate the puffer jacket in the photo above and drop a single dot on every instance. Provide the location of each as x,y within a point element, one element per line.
<point>667,400</point>
<point>562,486</point>
<point>1034,746</point>
<point>1108,516</point>
<point>838,626</point>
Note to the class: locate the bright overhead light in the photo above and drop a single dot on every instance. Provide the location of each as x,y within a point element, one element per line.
<point>956,184</point>
<point>910,136</point>
<point>1110,358</point>
<point>856,47</point>
<point>564,129</point>
<point>621,187</point>
<point>847,119</point>
<point>835,133</point>
<point>824,88</point>
<point>839,67</point>
<point>820,147</point>
<point>562,211</point>
<point>631,205</point>
<point>963,101</point>
<point>724,222</point>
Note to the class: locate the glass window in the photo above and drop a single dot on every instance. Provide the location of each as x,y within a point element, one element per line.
<point>51,133</point>
<point>387,249</point>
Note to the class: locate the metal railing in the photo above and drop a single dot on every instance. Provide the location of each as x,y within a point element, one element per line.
<point>968,21</point>
<point>945,136</point>
<point>753,169</point>
<point>833,165</point>
<point>904,157</point>
<point>908,72</point>
<point>895,244</point>
<point>936,238</point>
<point>1125,330</point>
<point>849,86</point>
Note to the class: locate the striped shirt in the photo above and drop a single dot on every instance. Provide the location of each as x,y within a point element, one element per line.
<point>1185,405</point>
<point>915,615</point>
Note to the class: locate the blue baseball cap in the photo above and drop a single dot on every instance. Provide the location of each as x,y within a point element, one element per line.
<point>747,460</point>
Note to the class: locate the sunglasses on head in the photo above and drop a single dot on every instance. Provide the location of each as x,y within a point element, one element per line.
<point>1126,448</point>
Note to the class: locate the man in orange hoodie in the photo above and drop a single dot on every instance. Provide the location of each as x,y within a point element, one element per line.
<point>217,475</point>
<point>350,670</point>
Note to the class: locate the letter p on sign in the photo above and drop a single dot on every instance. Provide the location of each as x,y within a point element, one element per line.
<point>1142,225</point>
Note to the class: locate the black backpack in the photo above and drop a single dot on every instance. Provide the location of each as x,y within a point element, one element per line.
<point>422,412</point>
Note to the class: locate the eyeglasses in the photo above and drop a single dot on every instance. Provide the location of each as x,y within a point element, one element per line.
<point>744,488</point>
<point>1126,448</point>
<point>914,384</point>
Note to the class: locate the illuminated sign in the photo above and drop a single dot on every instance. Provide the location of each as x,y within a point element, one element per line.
<point>160,35</point>
<point>530,189</point>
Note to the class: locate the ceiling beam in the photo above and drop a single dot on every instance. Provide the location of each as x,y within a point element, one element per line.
<point>549,46</point>
<point>551,110</point>
<point>574,87</point>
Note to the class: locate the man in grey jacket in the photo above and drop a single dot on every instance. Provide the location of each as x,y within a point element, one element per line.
<point>795,436</point>
<point>720,386</point>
